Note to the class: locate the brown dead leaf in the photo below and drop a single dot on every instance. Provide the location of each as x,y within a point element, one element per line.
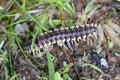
<point>104,1</point>
<point>117,77</point>
<point>113,35</point>
<point>114,26</point>
<point>79,4</point>
<point>112,58</point>
<point>93,10</point>
<point>100,34</point>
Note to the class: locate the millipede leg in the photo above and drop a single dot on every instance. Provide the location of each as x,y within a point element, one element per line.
<point>69,46</point>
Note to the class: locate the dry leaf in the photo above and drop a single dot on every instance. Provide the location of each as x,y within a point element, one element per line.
<point>113,35</point>
<point>100,34</point>
<point>104,1</point>
<point>117,77</point>
<point>79,4</point>
<point>112,58</point>
<point>118,0</point>
<point>114,26</point>
<point>93,10</point>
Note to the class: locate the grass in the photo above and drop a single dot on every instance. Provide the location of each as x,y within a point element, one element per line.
<point>92,66</point>
<point>89,5</point>
<point>40,25</point>
<point>50,66</point>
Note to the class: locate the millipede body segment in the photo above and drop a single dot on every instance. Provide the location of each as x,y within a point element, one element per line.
<point>75,33</point>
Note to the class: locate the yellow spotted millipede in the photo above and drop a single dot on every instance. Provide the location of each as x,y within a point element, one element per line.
<point>61,35</point>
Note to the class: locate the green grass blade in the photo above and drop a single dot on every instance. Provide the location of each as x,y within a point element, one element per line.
<point>13,77</point>
<point>5,67</point>
<point>89,5</point>
<point>50,66</point>
<point>92,66</point>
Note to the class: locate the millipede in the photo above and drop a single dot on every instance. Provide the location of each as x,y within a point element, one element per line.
<point>72,34</point>
<point>61,35</point>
